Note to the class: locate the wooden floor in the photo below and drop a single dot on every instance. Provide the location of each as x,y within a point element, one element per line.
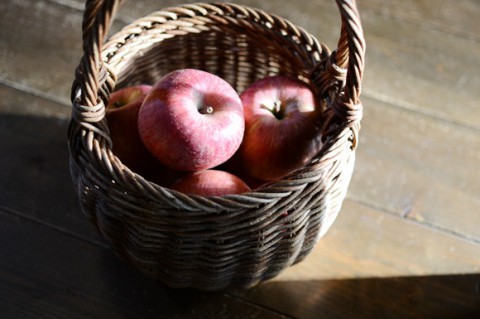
<point>405,245</point>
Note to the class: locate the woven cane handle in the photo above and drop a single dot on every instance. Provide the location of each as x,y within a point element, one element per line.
<point>350,53</point>
<point>351,48</point>
<point>97,19</point>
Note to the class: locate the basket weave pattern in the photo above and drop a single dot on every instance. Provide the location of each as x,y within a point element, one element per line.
<point>217,242</point>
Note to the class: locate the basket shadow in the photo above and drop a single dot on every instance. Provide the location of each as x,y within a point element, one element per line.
<point>35,175</point>
<point>430,296</point>
<point>136,293</point>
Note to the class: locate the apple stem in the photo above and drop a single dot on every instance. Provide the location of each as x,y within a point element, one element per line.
<point>276,109</point>
<point>206,110</point>
<point>277,106</point>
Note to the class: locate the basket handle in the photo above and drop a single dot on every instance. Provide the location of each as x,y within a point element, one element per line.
<point>350,54</point>
<point>97,20</point>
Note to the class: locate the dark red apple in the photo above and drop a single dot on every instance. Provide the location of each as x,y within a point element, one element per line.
<point>128,97</point>
<point>191,120</point>
<point>210,182</point>
<point>235,166</point>
<point>122,114</point>
<point>282,127</point>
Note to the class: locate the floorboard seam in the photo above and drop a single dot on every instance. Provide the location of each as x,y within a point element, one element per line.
<point>101,245</point>
<point>54,227</point>
<point>434,26</point>
<point>444,230</point>
<point>231,294</point>
<point>28,90</point>
<point>415,110</point>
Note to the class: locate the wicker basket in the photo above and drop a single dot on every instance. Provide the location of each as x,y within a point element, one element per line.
<point>217,242</point>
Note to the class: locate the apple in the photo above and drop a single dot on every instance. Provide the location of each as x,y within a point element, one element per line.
<point>128,97</point>
<point>121,114</point>
<point>210,182</point>
<point>163,175</point>
<point>282,127</point>
<point>191,120</point>
<point>234,166</point>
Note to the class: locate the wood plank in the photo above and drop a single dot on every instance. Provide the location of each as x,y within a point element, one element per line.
<point>415,160</point>
<point>459,17</point>
<point>375,265</point>
<point>422,69</point>
<point>34,159</point>
<point>40,46</point>
<point>443,82</point>
<point>426,297</point>
<point>419,167</point>
<point>47,274</point>
<point>444,77</point>
<point>364,242</point>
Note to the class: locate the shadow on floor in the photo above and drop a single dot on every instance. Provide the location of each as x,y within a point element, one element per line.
<point>436,296</point>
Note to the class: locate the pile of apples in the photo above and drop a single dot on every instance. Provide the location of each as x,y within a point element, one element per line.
<point>192,132</point>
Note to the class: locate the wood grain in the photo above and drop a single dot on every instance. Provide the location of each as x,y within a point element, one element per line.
<point>418,167</point>
<point>422,69</point>
<point>375,265</point>
<point>35,175</point>
<point>442,82</point>
<point>456,17</point>
<point>405,245</point>
<point>45,274</point>
<point>444,79</point>
<point>422,297</point>
<point>39,49</point>
<point>365,243</point>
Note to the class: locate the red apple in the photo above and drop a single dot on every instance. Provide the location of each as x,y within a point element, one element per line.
<point>191,120</point>
<point>282,127</point>
<point>121,114</point>
<point>210,182</point>
<point>163,175</point>
<point>128,97</point>
<point>234,166</point>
